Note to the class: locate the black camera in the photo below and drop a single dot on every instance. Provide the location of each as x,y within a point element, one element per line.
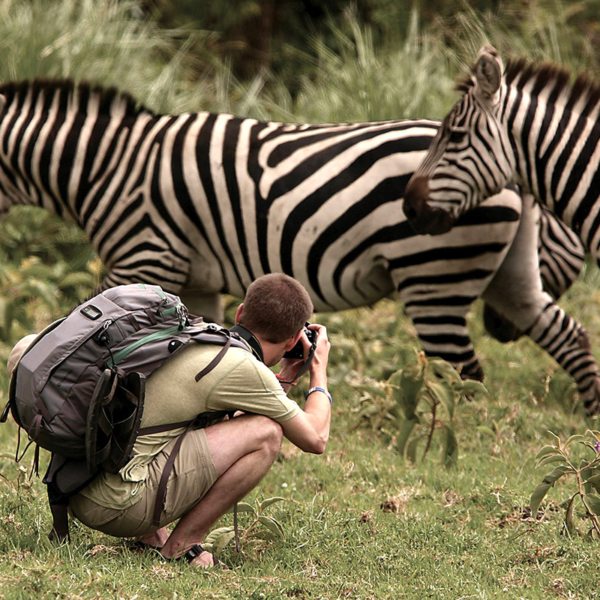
<point>298,350</point>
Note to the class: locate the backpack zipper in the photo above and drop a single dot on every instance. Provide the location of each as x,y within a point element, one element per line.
<point>180,310</point>
<point>151,337</point>
<point>101,336</point>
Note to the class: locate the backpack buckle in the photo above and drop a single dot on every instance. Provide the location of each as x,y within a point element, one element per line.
<point>102,337</point>
<point>182,314</point>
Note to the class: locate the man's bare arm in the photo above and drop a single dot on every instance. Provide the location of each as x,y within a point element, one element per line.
<point>309,430</point>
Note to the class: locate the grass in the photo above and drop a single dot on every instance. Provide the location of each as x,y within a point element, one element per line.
<point>359,522</point>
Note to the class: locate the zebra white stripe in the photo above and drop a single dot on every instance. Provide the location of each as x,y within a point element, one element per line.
<point>531,126</point>
<point>203,204</point>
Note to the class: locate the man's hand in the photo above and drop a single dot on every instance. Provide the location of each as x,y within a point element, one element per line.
<point>309,430</point>
<point>290,367</point>
<point>320,359</point>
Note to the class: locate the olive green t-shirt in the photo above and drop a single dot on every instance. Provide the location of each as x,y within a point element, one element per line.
<point>238,382</point>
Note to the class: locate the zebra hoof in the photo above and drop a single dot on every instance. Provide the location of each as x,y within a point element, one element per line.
<point>472,371</point>
<point>498,327</point>
<point>591,404</point>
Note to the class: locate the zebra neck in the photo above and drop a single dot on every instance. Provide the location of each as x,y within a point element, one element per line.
<point>16,189</point>
<point>31,175</point>
<point>557,159</point>
<point>59,143</point>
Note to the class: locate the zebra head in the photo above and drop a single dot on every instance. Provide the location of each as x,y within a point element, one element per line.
<point>469,159</point>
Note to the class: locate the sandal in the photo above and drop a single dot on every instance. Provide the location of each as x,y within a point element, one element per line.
<point>139,546</point>
<point>195,551</point>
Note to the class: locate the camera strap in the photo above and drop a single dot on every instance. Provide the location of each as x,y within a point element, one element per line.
<point>307,362</point>
<point>249,338</point>
<point>256,348</point>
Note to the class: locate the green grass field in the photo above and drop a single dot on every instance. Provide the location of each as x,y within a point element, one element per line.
<point>360,521</point>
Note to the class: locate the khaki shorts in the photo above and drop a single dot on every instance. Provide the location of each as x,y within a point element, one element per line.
<point>192,476</point>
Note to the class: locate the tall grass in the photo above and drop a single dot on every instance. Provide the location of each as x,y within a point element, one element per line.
<point>111,42</point>
<point>354,79</point>
<point>107,42</point>
<point>358,75</point>
<point>355,75</point>
<point>546,30</point>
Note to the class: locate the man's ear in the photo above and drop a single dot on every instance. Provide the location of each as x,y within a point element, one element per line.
<point>238,313</point>
<point>488,74</point>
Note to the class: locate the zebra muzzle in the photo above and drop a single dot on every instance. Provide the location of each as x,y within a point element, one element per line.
<point>423,218</point>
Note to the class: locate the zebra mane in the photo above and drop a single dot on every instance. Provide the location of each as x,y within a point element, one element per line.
<point>520,71</point>
<point>72,92</point>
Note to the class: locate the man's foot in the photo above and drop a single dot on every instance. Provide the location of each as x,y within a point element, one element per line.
<point>156,539</point>
<point>204,560</point>
<point>196,556</point>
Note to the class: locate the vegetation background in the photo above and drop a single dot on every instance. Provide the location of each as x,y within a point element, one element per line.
<point>361,521</point>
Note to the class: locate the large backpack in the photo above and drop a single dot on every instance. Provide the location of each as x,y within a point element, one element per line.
<point>78,390</point>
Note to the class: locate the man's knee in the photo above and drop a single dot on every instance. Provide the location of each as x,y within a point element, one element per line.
<point>271,434</point>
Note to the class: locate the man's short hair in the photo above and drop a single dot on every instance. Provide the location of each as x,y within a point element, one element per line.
<point>276,307</point>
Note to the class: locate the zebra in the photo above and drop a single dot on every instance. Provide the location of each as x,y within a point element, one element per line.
<point>527,124</point>
<point>203,203</point>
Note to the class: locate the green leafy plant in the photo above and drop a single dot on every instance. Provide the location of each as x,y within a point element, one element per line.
<point>46,267</point>
<point>418,403</point>
<point>576,459</point>
<point>261,526</point>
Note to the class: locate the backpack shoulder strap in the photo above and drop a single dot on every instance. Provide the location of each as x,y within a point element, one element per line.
<point>200,421</point>
<point>59,507</point>
<point>216,360</point>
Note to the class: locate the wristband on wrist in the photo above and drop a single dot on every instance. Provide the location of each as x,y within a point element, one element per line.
<point>318,388</point>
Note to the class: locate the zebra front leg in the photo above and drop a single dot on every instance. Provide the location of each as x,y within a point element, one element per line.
<point>209,306</point>
<point>498,327</point>
<point>532,311</point>
<point>446,336</point>
<point>516,294</point>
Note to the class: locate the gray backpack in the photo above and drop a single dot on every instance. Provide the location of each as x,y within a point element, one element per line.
<point>78,390</point>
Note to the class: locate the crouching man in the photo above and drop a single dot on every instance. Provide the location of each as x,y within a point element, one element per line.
<point>218,465</point>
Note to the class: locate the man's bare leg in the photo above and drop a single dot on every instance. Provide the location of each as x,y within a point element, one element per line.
<point>156,539</point>
<point>242,450</point>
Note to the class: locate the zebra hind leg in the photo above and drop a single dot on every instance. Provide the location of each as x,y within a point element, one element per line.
<point>446,336</point>
<point>567,342</point>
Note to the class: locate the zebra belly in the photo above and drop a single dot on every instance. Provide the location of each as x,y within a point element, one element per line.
<point>423,268</point>
<point>457,265</point>
<point>361,285</point>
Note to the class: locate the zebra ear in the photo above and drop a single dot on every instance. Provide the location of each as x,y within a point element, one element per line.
<point>2,103</point>
<point>488,73</point>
